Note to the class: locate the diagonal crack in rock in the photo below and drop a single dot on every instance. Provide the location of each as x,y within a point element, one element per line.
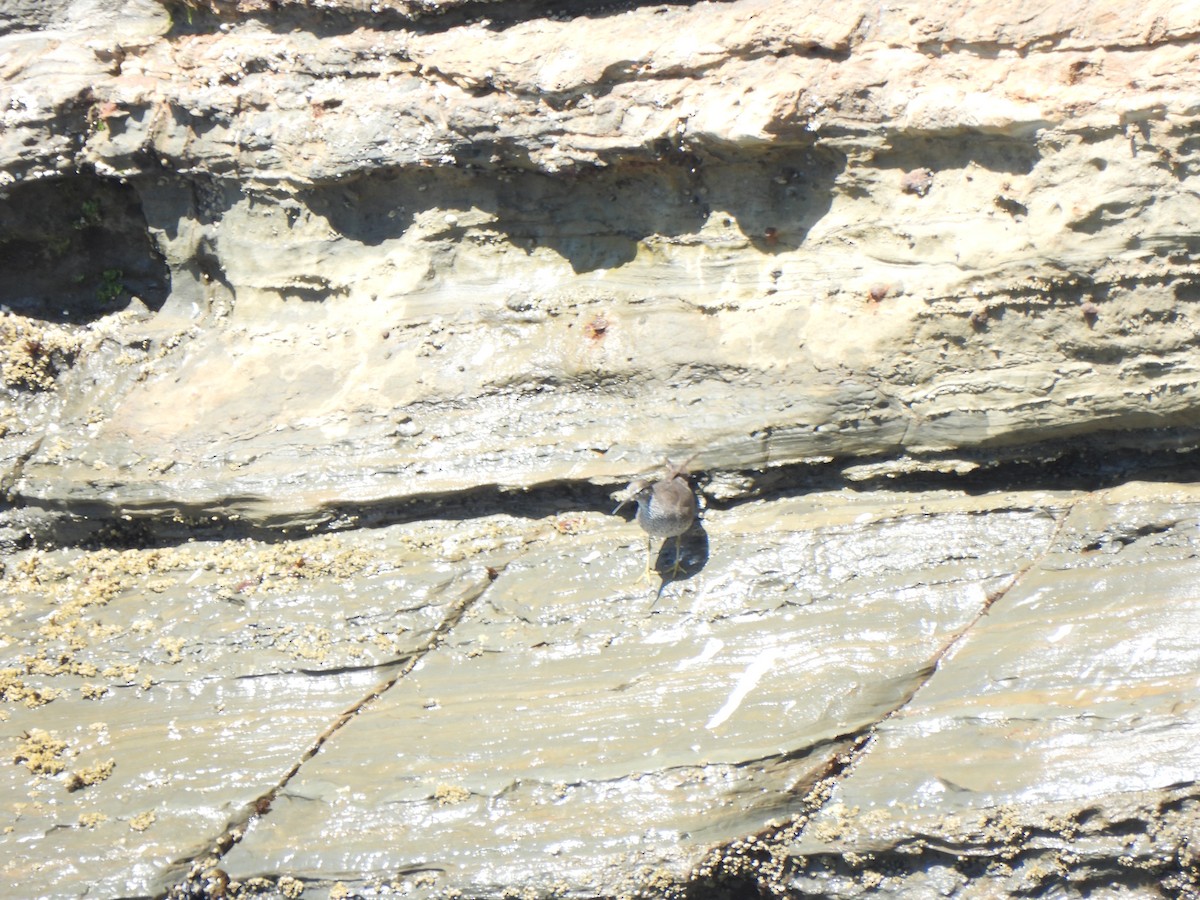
<point>760,859</point>
<point>185,873</point>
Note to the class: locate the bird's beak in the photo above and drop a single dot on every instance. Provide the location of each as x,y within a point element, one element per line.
<point>617,508</point>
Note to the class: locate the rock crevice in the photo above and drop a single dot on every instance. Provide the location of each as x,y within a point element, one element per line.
<point>329,329</point>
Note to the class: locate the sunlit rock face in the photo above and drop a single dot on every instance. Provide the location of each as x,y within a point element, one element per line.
<point>331,330</point>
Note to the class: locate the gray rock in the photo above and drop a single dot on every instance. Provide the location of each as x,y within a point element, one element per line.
<point>329,331</point>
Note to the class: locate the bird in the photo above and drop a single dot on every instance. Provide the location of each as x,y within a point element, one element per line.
<point>666,508</point>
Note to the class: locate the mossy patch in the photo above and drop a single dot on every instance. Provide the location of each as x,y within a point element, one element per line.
<point>41,752</point>
<point>34,353</point>
<point>89,775</point>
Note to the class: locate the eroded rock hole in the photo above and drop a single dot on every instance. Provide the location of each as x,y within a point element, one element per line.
<point>76,249</point>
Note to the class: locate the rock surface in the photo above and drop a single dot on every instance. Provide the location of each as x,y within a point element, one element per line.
<point>330,329</point>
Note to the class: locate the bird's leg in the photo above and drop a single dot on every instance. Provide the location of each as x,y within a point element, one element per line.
<point>676,566</point>
<point>649,550</point>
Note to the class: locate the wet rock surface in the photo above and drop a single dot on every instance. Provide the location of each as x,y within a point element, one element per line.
<point>329,335</point>
<point>856,691</point>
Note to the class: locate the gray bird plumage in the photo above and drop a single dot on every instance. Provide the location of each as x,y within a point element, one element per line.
<point>666,508</point>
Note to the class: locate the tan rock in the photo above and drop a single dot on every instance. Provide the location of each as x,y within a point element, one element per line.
<point>332,326</point>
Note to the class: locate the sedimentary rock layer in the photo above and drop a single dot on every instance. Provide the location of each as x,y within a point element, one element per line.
<point>514,250</point>
<point>329,327</point>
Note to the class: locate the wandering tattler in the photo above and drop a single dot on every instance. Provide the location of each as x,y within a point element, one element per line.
<point>666,508</point>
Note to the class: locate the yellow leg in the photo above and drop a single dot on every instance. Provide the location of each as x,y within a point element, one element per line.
<point>677,566</point>
<point>649,549</point>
